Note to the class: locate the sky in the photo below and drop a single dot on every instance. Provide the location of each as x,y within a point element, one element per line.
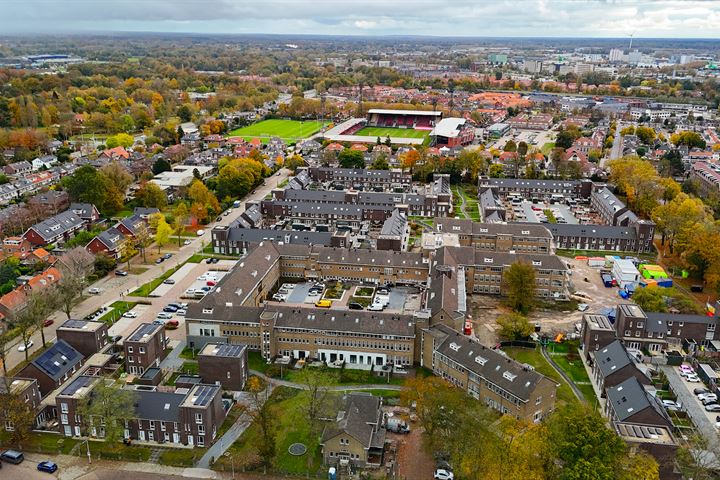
<point>475,18</point>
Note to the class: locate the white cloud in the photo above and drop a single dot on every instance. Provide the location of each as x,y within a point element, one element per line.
<point>529,18</point>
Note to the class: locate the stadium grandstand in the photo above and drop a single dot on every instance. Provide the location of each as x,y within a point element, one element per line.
<point>452,132</point>
<point>403,127</point>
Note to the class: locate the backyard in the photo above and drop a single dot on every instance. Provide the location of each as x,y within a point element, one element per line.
<point>534,358</point>
<point>286,130</point>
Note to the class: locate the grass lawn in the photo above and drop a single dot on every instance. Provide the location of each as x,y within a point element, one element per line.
<point>547,148</point>
<point>364,301</point>
<point>430,221</point>
<point>601,253</point>
<point>145,290</point>
<point>383,132</point>
<point>292,427</point>
<point>256,362</point>
<point>576,371</point>
<point>116,311</point>
<point>181,457</point>
<point>191,368</point>
<point>535,359</point>
<point>287,130</point>
<point>471,203</point>
<point>50,443</point>
<point>364,291</point>
<point>346,376</point>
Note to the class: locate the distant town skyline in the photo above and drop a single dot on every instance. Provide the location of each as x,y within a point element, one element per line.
<point>472,18</point>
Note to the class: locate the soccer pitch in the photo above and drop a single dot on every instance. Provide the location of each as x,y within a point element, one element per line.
<point>287,130</point>
<point>383,132</point>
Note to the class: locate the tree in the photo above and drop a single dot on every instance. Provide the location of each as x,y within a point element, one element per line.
<point>689,139</point>
<point>185,113</point>
<point>127,251</point>
<point>496,171</point>
<point>103,265</point>
<point>638,180</point>
<point>25,322</point>
<point>519,283</point>
<point>679,217</point>
<point>380,163</point>
<point>5,341</point>
<point>581,445</point>
<point>316,383</point>
<point>293,162</point>
<point>205,204</point>
<point>143,238</point>
<point>180,216</point>
<point>75,265</point>
<point>161,165</point>
<point>645,134</point>
<point>514,326</point>
<point>409,159</point>
<point>162,231</point>
<point>86,185</point>
<point>117,176</point>
<point>351,159</point>
<point>106,408</point>
<point>16,412</point>
<point>567,136</point>
<point>264,417</point>
<point>120,140</point>
<point>151,195</point>
<point>697,458</point>
<point>650,299</point>
<point>510,146</point>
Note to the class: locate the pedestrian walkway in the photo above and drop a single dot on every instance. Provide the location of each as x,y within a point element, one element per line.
<point>222,444</point>
<point>564,375</point>
<point>173,361</point>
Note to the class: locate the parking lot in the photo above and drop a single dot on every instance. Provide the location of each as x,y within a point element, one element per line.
<point>399,299</point>
<point>562,212</point>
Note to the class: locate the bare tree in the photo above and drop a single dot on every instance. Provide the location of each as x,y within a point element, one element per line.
<point>107,408</point>
<point>4,350</point>
<point>24,321</point>
<point>316,383</point>
<point>39,305</point>
<point>75,266</point>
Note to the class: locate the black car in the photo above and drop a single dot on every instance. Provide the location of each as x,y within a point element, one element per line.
<point>159,260</point>
<point>700,390</point>
<point>170,309</point>
<point>121,273</point>
<point>209,261</point>
<point>215,260</point>
<point>355,306</point>
<point>167,256</point>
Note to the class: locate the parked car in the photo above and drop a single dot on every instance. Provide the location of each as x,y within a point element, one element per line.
<point>26,346</point>
<point>170,309</point>
<point>669,403</point>
<point>12,456</point>
<point>355,306</point>
<point>700,391</point>
<point>323,304</point>
<point>713,407</point>
<point>157,321</point>
<point>279,297</point>
<point>169,281</point>
<point>583,307</point>
<point>708,400</point>
<point>167,256</point>
<point>48,322</point>
<point>182,312</point>
<point>211,283</point>
<point>376,307</point>
<point>441,474</point>
<point>47,467</point>
<point>208,261</point>
<point>186,242</point>
<point>130,314</point>
<point>313,293</point>
<point>159,260</point>
<point>120,273</point>
<point>693,378</point>
<point>190,291</point>
<point>200,233</point>
<point>172,324</point>
<point>94,290</point>
<point>165,315</point>
<point>703,396</point>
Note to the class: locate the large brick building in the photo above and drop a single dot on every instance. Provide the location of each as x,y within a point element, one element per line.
<point>359,179</point>
<point>497,237</point>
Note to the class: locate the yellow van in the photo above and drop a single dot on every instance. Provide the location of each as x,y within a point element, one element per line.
<point>323,303</point>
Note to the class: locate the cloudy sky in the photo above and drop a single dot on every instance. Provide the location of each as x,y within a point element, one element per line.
<point>524,18</point>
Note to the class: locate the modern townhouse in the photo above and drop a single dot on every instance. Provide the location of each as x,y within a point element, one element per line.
<point>145,348</point>
<point>86,337</point>
<point>53,367</point>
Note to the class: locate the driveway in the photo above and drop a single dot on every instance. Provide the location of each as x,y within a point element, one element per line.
<point>703,420</point>
<point>112,286</point>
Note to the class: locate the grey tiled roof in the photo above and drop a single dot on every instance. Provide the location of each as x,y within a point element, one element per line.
<point>630,397</point>
<point>612,358</point>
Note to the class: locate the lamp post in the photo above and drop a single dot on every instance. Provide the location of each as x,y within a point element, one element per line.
<point>87,446</point>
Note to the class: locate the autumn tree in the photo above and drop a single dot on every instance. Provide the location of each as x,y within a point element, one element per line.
<point>265,418</point>
<point>638,180</point>
<point>117,176</point>
<point>143,238</point>
<point>5,345</point>
<point>127,251</point>
<point>26,322</point>
<point>107,408</point>
<point>151,195</point>
<point>162,231</point>
<point>180,216</point>
<point>120,140</point>
<point>679,217</point>
<point>16,412</point>
<point>409,159</point>
<point>518,281</point>
<point>689,139</point>
<point>514,326</point>
<point>293,162</point>
<point>351,159</point>
<point>204,203</point>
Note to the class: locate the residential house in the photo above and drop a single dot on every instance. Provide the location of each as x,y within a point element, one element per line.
<point>53,367</point>
<point>63,226</point>
<point>109,242</point>
<point>631,402</point>
<point>131,226</point>
<point>357,435</point>
<point>224,365</point>
<point>145,348</point>
<point>24,388</point>
<point>86,337</point>
<point>596,332</point>
<point>18,168</point>
<point>613,365</point>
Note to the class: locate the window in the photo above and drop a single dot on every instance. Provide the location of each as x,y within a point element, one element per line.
<point>130,349</point>
<point>201,441</point>
<point>152,424</point>
<point>538,400</point>
<point>162,426</point>
<point>64,408</point>
<point>627,333</point>
<point>64,419</point>
<point>198,418</point>
<point>142,350</point>
<point>201,429</point>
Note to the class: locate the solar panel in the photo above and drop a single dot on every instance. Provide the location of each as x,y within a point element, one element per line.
<point>204,393</point>
<point>226,350</point>
<point>74,324</point>
<point>142,330</point>
<point>51,360</point>
<point>76,385</point>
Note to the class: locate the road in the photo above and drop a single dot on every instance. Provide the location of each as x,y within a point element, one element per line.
<point>689,402</point>
<point>113,286</point>
<point>616,150</point>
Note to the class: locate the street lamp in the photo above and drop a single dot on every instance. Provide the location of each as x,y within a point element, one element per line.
<point>87,445</point>
<point>232,463</point>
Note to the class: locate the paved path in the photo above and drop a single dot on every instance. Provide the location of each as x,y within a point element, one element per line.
<point>463,202</point>
<point>173,360</point>
<point>224,442</point>
<point>335,388</point>
<point>692,406</point>
<point>616,150</point>
<point>564,375</point>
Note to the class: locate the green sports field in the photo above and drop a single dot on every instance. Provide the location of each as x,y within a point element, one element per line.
<point>287,130</point>
<point>383,132</point>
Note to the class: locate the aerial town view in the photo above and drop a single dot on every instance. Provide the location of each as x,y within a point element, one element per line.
<point>409,240</point>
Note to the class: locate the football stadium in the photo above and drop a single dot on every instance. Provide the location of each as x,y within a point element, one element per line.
<point>404,127</point>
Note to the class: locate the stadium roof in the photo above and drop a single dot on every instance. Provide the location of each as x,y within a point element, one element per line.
<point>404,112</point>
<point>448,127</point>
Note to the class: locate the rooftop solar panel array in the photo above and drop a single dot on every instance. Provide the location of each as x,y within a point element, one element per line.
<point>142,331</point>
<point>57,359</point>
<point>77,384</point>
<point>204,395</point>
<point>74,324</point>
<point>226,350</point>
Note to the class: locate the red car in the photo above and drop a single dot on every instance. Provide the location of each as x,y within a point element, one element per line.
<point>172,324</point>
<point>211,283</point>
<point>48,322</point>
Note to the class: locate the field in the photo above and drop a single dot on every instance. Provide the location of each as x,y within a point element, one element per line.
<point>383,132</point>
<point>287,130</point>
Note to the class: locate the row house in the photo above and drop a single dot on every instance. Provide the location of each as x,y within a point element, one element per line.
<point>53,367</point>
<point>63,226</point>
<point>84,336</point>
<point>637,237</point>
<point>707,176</point>
<point>538,189</point>
<point>487,375</point>
<point>145,348</point>
<point>25,389</point>
<point>368,180</point>
<point>613,365</point>
<point>108,242</point>
<point>520,238</point>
